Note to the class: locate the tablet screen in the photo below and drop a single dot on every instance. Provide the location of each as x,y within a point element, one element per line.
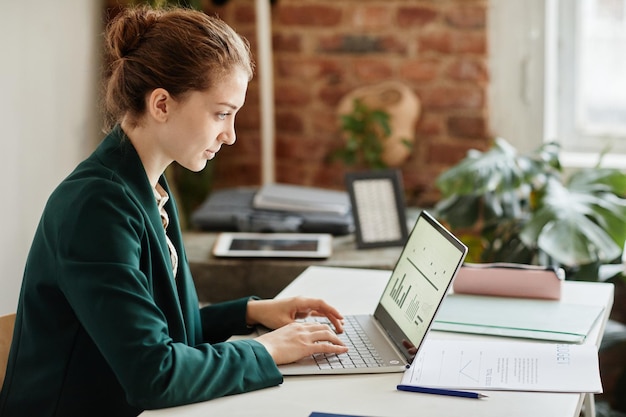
<point>274,244</point>
<point>277,245</point>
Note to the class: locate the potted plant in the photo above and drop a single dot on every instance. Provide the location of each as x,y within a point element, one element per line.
<point>378,125</point>
<point>522,208</point>
<point>365,130</point>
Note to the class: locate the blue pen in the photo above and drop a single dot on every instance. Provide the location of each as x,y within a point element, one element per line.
<point>440,391</point>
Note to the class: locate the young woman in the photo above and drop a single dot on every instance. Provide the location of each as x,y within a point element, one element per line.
<point>108,322</point>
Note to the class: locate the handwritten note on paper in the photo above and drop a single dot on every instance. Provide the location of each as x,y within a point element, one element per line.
<point>514,366</point>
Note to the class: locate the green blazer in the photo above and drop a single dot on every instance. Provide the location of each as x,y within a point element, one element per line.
<point>103,327</point>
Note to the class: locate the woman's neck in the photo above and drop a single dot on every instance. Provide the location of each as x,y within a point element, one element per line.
<point>144,141</point>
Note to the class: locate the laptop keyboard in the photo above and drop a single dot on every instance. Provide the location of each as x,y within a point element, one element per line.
<point>361,353</point>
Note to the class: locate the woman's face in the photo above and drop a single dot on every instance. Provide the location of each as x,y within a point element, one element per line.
<point>199,124</point>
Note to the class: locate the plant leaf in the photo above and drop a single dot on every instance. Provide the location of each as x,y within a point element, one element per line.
<point>482,172</point>
<point>460,211</point>
<point>567,226</point>
<point>577,241</point>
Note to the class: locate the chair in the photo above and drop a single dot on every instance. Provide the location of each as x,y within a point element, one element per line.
<point>7,323</point>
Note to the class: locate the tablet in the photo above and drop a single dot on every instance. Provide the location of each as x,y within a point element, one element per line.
<point>273,245</point>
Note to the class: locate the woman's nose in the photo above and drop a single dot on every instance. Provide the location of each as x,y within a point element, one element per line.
<point>229,137</point>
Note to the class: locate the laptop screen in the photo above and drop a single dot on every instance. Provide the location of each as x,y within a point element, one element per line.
<point>419,282</point>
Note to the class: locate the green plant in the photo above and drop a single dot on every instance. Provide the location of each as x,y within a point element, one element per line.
<point>365,132</point>
<point>523,209</point>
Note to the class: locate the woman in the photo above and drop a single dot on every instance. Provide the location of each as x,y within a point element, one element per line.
<point>108,320</point>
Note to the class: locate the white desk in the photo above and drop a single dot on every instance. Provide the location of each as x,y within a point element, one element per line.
<point>357,291</point>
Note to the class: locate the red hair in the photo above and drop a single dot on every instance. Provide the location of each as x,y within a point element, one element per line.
<point>180,50</point>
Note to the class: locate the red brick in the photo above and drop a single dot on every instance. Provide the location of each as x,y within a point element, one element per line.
<point>331,43</point>
<point>298,148</point>
<point>289,121</point>
<point>248,143</point>
<point>325,124</point>
<point>421,70</point>
<point>468,69</point>
<point>467,17</point>
<point>430,124</point>
<point>292,94</point>
<point>289,173</point>
<point>307,69</point>
<point>417,181</point>
<point>252,96</point>
<point>331,94</point>
<point>371,17</point>
<point>332,71</point>
<point>245,13</point>
<point>248,118</point>
<point>470,42</point>
<point>283,42</point>
<point>436,40</point>
<point>453,97</point>
<point>411,16</point>
<point>250,36</point>
<point>394,44</point>
<point>467,126</point>
<point>447,152</point>
<point>238,173</point>
<point>361,44</point>
<point>331,176</point>
<point>309,15</point>
<point>372,70</point>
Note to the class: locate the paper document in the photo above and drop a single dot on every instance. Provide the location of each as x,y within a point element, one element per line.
<point>516,317</point>
<point>506,365</point>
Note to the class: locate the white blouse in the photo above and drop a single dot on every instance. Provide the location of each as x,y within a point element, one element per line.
<point>161,197</point>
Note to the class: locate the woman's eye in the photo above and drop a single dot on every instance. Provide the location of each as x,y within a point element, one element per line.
<point>222,116</point>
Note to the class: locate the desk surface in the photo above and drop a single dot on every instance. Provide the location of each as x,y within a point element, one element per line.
<point>375,395</point>
<point>222,279</point>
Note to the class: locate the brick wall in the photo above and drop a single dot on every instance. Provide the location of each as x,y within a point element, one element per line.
<point>325,48</point>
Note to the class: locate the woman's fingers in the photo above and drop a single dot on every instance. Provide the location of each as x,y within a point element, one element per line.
<point>297,340</point>
<point>277,313</point>
<point>320,308</point>
<point>325,334</point>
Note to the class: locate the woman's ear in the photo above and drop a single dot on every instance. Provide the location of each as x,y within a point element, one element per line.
<point>159,102</point>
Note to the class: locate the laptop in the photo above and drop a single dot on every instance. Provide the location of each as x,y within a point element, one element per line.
<point>392,336</point>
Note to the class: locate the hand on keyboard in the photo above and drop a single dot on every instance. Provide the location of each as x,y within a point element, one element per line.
<point>298,340</point>
<point>280,312</point>
<point>361,353</point>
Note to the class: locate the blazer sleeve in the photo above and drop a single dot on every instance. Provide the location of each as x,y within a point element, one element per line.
<point>104,252</point>
<point>221,321</point>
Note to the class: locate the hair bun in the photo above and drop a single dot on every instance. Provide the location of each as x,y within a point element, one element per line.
<point>126,31</point>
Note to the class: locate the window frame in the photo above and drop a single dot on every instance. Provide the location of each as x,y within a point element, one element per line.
<point>530,102</point>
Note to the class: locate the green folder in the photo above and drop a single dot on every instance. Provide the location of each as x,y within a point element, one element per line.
<point>516,317</point>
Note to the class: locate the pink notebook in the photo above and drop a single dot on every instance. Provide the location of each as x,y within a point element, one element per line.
<point>509,280</point>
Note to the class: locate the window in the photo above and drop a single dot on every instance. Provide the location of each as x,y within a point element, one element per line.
<point>559,73</point>
<point>592,72</point>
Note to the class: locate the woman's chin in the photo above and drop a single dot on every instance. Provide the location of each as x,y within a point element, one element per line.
<point>197,167</point>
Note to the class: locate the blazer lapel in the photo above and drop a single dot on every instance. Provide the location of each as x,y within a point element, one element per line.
<point>118,154</point>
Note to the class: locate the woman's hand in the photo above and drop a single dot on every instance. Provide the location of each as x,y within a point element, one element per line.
<point>298,340</point>
<point>293,340</point>
<point>274,314</point>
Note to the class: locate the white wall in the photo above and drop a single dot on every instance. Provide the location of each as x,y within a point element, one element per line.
<point>48,115</point>
<point>517,95</point>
